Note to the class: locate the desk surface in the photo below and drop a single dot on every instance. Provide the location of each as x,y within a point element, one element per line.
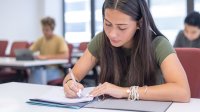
<point>14,95</point>
<point>12,62</point>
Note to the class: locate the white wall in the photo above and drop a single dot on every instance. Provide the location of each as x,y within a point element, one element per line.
<point>54,8</point>
<point>20,19</point>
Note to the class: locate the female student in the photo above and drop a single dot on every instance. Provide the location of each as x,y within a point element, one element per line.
<point>136,60</point>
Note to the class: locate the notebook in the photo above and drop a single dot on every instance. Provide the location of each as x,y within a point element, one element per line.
<point>128,105</point>
<point>56,97</point>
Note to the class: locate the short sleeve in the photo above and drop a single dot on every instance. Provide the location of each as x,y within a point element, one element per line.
<point>36,45</point>
<point>62,45</point>
<point>162,48</point>
<point>95,44</point>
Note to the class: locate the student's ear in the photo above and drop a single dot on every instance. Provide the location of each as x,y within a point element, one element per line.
<point>139,23</point>
<point>138,26</point>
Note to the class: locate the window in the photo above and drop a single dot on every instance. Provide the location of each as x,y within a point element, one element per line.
<point>169,16</point>
<point>77,21</point>
<point>197,5</point>
<point>98,16</point>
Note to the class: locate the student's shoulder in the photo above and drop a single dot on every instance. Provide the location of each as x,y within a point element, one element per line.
<point>94,45</point>
<point>160,40</point>
<point>162,43</point>
<point>59,38</point>
<point>162,48</point>
<point>181,34</point>
<point>98,36</point>
<point>40,39</point>
<point>97,39</point>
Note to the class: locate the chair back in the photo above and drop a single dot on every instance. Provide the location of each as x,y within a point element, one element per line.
<point>190,60</point>
<point>3,46</point>
<point>18,45</point>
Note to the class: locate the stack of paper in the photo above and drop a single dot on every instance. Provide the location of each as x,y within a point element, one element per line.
<point>56,97</point>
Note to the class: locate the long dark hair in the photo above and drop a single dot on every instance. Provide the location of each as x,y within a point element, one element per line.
<point>139,69</point>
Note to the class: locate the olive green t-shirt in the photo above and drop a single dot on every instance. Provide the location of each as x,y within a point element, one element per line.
<point>160,44</point>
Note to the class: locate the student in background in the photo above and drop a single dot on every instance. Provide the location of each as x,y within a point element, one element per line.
<point>136,60</point>
<point>190,36</point>
<point>50,46</point>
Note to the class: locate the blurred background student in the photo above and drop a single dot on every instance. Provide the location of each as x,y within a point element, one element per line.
<point>50,46</point>
<point>190,36</point>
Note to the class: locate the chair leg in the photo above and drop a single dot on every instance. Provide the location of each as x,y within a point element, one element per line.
<point>21,76</point>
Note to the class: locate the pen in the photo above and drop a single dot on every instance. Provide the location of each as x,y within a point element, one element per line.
<point>73,78</point>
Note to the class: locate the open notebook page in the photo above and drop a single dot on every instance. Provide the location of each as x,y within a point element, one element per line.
<point>57,95</point>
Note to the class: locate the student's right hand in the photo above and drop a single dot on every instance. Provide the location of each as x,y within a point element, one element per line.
<point>71,89</point>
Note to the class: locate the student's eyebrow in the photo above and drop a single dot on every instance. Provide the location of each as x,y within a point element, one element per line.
<point>107,21</point>
<point>116,24</point>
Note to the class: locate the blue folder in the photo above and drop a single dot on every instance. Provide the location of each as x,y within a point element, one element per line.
<point>53,104</point>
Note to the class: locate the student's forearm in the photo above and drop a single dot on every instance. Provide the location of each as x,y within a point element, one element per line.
<point>77,77</point>
<point>79,72</point>
<point>58,56</point>
<point>164,92</point>
<point>76,71</point>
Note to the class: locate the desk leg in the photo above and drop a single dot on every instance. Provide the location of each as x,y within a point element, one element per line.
<point>44,76</point>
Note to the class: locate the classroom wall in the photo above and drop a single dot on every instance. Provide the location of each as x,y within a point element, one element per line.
<point>20,19</point>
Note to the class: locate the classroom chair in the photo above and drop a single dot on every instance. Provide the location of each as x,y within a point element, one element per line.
<point>83,46</point>
<point>8,74</point>
<point>18,45</point>
<point>58,82</point>
<point>190,59</point>
<point>3,46</point>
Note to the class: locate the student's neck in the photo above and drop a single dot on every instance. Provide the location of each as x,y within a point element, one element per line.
<point>49,37</point>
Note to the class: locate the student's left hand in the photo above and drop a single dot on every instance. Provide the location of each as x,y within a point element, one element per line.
<point>41,57</point>
<point>109,89</point>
